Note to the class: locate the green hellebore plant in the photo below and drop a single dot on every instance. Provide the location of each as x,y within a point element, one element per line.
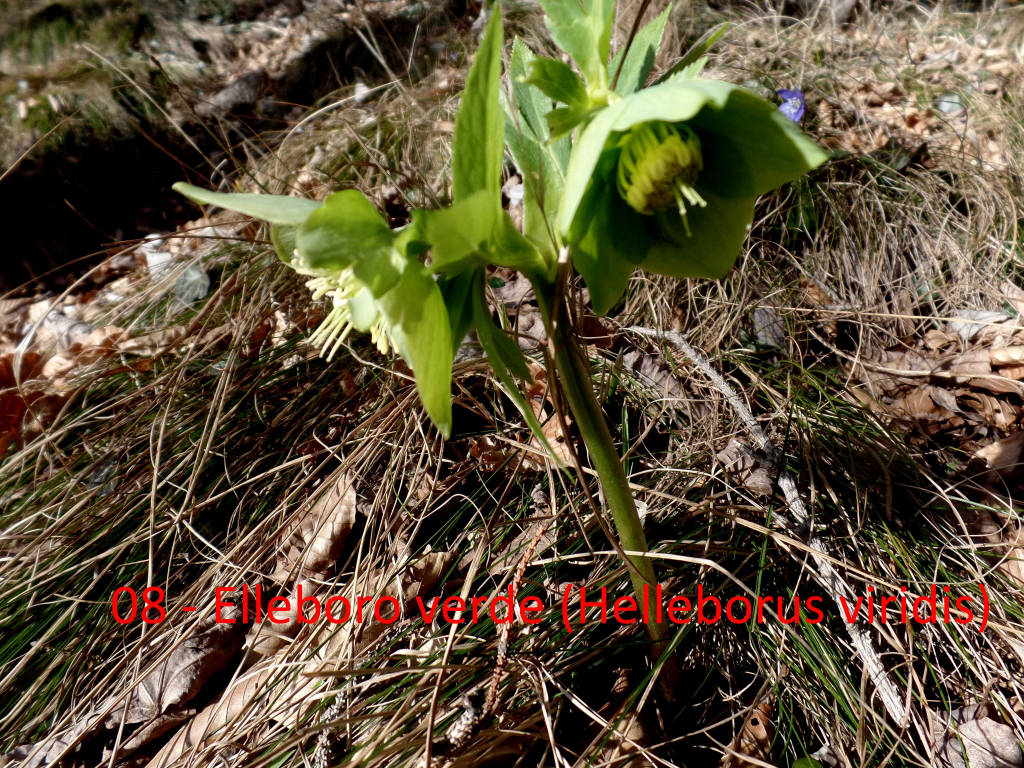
<point>615,175</point>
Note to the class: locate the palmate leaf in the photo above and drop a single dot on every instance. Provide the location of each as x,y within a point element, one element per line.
<point>540,160</point>
<point>558,82</point>
<point>471,233</point>
<point>692,63</point>
<point>582,28</point>
<point>457,235</point>
<point>477,148</point>
<point>528,102</point>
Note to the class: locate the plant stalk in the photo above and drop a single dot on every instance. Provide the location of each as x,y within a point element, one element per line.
<point>576,385</point>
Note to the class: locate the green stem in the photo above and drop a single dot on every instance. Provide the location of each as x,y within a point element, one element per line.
<point>577,387</point>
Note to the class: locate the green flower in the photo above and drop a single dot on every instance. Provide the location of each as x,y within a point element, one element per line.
<point>373,280</point>
<point>666,179</point>
<point>348,304</point>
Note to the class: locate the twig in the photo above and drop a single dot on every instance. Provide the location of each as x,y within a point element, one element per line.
<point>799,520</point>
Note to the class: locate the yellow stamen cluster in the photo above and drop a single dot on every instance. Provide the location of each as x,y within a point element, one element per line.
<point>335,328</point>
<point>658,167</point>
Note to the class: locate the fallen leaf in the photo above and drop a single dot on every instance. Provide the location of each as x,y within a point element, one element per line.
<point>655,373</point>
<point>1003,456</point>
<point>152,344</point>
<point>978,324</point>
<point>971,738</point>
<point>313,540</point>
<point>742,465</point>
<point>754,739</point>
<point>769,330</point>
<point>1007,356</point>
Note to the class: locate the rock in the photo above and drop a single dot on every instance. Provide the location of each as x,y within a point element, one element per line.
<point>192,286</point>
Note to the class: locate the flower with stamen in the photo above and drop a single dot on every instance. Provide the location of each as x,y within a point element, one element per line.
<point>658,166</point>
<point>344,289</point>
<point>666,178</point>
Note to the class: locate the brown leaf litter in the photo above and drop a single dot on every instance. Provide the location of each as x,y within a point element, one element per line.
<point>958,388</point>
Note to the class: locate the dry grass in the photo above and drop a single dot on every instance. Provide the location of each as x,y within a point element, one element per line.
<point>185,471</point>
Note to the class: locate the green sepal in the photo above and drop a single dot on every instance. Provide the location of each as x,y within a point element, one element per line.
<point>596,249</point>
<point>716,239</point>
<point>347,231</point>
<point>283,238</point>
<point>418,322</point>
<point>511,249</point>
<point>363,311</point>
<point>748,148</point>
<point>471,233</point>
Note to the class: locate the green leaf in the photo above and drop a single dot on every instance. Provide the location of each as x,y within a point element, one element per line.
<point>529,103</point>
<point>582,28</point>
<point>557,80</point>
<point>275,209</point>
<point>471,233</point>
<point>694,59</point>
<point>477,146</point>
<point>506,359</point>
<point>640,56</point>
<point>458,298</point>
<point>543,178</point>
<point>563,120</point>
<point>511,249</point>
<point>418,320</point>
<point>458,235</point>
<point>347,231</point>
<point>541,162</point>
<point>690,72</point>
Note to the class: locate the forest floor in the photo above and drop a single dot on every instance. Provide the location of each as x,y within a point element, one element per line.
<point>164,423</point>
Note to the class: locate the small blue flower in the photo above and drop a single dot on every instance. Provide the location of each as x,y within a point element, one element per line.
<point>793,105</point>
